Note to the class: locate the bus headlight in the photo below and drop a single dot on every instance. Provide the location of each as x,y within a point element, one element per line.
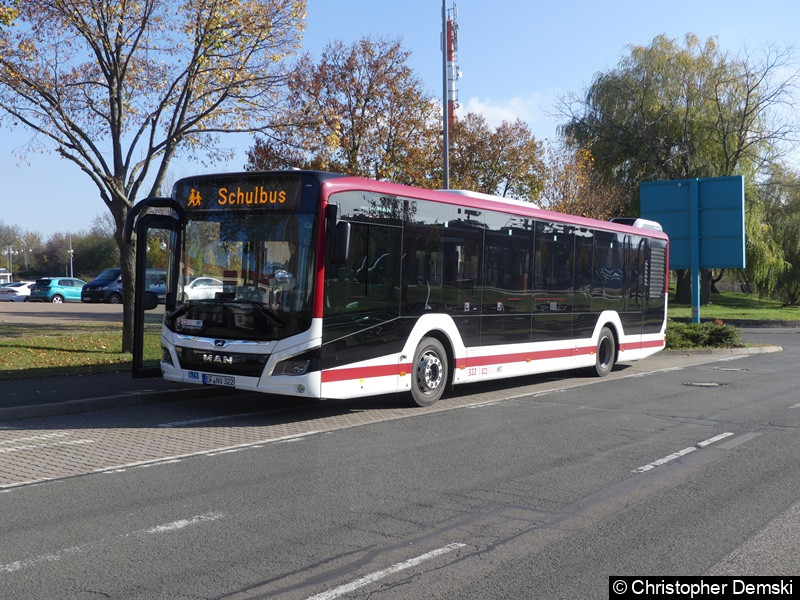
<point>298,365</point>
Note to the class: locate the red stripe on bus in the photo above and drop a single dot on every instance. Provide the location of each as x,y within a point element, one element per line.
<point>353,373</point>
<point>642,345</point>
<point>364,372</point>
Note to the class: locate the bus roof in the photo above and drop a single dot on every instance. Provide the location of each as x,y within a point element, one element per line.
<point>482,201</point>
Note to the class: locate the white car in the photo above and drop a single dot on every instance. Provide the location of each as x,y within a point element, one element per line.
<point>16,292</point>
<point>202,288</point>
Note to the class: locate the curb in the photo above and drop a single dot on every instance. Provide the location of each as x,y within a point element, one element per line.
<point>138,398</point>
<point>730,351</point>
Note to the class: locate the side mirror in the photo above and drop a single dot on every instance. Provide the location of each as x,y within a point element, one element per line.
<point>338,236</point>
<point>150,300</point>
<point>340,249</point>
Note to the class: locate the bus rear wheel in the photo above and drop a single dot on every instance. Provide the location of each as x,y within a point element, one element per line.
<point>606,353</point>
<point>430,372</point>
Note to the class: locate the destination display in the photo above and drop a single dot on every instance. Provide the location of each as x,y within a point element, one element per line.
<point>240,193</point>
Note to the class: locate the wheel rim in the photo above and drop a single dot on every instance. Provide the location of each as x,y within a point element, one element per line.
<point>429,372</point>
<point>57,300</point>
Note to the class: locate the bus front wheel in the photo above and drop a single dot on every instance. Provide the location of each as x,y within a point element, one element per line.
<point>606,353</point>
<point>430,372</point>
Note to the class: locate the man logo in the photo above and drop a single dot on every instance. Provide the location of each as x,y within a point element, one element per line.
<point>218,358</point>
<point>220,343</point>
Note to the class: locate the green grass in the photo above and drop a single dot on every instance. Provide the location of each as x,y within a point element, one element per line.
<point>728,306</point>
<point>41,350</point>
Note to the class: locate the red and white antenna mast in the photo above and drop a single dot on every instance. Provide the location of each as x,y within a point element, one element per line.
<point>450,75</point>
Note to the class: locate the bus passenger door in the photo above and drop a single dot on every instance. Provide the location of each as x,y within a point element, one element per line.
<point>158,238</point>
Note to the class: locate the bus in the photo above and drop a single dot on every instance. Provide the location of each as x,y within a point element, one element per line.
<point>332,286</point>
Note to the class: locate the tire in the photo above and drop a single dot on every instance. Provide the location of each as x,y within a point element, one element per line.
<point>430,374</point>
<point>606,354</point>
<point>115,299</point>
<point>57,299</point>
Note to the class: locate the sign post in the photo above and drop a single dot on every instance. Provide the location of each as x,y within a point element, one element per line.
<point>704,219</point>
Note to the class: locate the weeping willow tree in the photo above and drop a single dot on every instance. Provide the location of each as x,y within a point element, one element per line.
<point>669,111</point>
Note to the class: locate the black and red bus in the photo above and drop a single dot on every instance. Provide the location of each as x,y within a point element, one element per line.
<point>329,286</point>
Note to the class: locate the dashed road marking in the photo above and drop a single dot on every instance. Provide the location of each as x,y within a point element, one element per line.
<point>373,577</point>
<point>680,453</point>
<point>64,552</point>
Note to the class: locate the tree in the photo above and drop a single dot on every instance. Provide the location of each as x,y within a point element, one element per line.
<point>778,201</point>
<point>507,161</point>
<point>573,186</point>
<point>360,110</point>
<point>8,12</point>
<point>671,112</point>
<point>118,88</point>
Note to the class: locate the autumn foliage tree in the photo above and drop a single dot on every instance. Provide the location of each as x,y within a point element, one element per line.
<point>359,110</point>
<point>119,88</point>
<point>505,161</point>
<point>573,186</point>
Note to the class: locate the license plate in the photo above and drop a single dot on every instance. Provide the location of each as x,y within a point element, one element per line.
<point>225,380</point>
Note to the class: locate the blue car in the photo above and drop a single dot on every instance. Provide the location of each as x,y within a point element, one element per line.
<point>56,289</point>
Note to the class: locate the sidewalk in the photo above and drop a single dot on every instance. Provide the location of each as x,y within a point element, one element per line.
<point>66,394</point>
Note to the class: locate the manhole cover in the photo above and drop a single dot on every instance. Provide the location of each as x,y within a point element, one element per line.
<point>706,384</point>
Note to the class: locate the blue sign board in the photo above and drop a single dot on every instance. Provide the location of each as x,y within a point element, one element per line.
<point>717,215</point>
<point>704,219</point>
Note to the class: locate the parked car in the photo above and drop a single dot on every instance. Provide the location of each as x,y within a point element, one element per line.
<point>56,289</point>
<point>202,288</point>
<point>107,287</point>
<point>19,291</point>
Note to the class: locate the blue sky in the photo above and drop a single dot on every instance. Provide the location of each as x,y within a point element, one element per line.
<point>516,56</point>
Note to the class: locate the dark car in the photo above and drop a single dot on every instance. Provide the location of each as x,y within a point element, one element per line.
<point>56,289</point>
<point>106,287</point>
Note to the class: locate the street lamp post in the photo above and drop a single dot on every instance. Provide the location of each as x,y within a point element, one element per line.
<point>71,253</point>
<point>9,259</point>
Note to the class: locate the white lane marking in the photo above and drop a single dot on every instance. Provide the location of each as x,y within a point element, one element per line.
<point>31,562</point>
<point>7,487</point>
<point>33,438</point>
<point>158,529</point>
<point>214,452</point>
<point>372,577</point>
<point>45,445</point>
<point>209,419</point>
<point>648,373</point>
<point>679,453</point>
<point>175,525</point>
<point>716,438</point>
<point>538,394</point>
<point>795,406</point>
<point>666,459</point>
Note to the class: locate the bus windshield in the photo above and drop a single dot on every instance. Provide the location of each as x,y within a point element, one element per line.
<point>245,276</point>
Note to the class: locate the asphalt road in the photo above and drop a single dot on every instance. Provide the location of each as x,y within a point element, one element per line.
<point>47,313</point>
<point>682,465</point>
